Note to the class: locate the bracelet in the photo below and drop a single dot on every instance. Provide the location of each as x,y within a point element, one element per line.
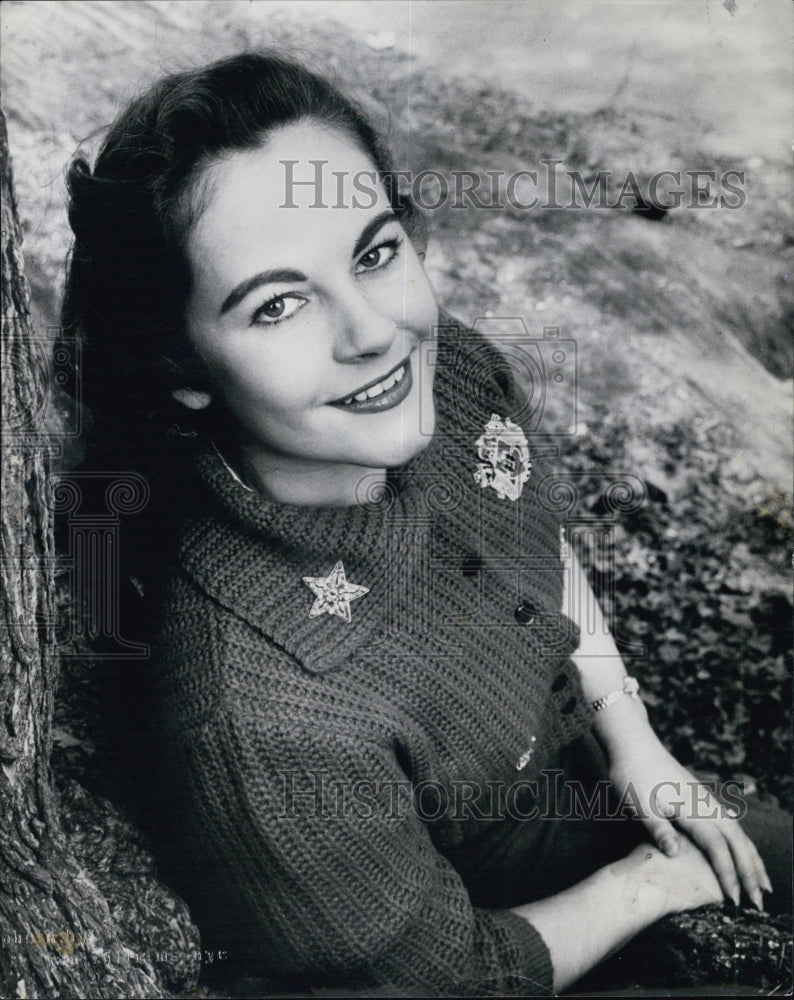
<point>631,687</point>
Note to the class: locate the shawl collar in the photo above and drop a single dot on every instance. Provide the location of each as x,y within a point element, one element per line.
<point>251,555</point>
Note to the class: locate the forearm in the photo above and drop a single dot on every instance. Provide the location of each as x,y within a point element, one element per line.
<point>596,917</point>
<point>601,666</point>
<point>660,789</point>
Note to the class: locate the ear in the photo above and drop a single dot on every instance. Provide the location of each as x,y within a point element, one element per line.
<point>193,399</point>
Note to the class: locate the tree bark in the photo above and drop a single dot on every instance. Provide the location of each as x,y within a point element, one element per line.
<point>57,935</point>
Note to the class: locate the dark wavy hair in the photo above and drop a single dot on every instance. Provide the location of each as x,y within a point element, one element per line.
<point>128,277</point>
<point>127,286</point>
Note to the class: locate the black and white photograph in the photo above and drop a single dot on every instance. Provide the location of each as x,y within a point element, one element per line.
<point>397,520</point>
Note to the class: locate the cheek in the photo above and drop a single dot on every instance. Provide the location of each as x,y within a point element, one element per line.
<point>420,297</point>
<point>277,378</point>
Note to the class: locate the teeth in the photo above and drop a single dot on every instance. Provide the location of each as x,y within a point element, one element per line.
<point>378,388</point>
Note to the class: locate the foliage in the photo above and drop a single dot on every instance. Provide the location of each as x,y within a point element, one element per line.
<point>698,578</point>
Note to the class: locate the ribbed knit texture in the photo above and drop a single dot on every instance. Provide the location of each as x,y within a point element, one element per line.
<point>295,741</point>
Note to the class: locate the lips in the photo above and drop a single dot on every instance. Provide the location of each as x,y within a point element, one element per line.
<point>382,393</point>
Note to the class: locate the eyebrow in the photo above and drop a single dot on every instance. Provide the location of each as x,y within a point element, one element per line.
<point>371,228</point>
<point>236,296</point>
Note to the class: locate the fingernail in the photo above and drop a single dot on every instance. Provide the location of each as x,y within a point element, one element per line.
<point>735,896</point>
<point>669,845</point>
<point>757,899</point>
<point>767,886</point>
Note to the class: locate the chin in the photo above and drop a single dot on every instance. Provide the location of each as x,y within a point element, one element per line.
<point>408,451</point>
<point>407,436</point>
<point>409,448</point>
<point>391,455</point>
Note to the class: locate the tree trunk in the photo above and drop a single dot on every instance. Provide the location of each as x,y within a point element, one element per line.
<point>57,935</point>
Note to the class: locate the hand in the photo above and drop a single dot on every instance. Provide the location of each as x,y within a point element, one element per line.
<point>662,793</point>
<point>682,882</point>
<point>594,918</point>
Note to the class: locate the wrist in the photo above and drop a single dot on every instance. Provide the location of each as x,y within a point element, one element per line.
<point>630,688</point>
<point>622,726</point>
<point>643,884</point>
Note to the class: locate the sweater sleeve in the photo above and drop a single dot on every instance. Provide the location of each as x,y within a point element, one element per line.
<point>316,831</point>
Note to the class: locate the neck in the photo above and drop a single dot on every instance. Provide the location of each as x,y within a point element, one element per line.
<point>309,484</point>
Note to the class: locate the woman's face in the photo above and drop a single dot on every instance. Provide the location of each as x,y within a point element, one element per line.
<point>309,316</point>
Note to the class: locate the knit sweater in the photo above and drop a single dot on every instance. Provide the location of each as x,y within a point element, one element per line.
<point>323,765</point>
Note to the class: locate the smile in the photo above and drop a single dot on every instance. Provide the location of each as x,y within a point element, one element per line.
<point>381,395</point>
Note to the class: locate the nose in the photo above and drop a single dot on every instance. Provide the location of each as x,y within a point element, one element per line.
<point>363,329</point>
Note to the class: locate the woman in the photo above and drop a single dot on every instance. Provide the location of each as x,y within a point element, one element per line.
<point>374,714</point>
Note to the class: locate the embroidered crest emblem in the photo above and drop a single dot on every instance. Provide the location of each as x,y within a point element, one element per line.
<point>333,593</point>
<point>504,458</point>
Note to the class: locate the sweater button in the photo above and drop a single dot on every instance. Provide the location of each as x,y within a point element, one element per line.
<point>559,682</point>
<point>569,706</point>
<point>525,613</point>
<point>471,566</point>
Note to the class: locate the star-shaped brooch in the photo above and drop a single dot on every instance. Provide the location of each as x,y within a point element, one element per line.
<point>333,593</point>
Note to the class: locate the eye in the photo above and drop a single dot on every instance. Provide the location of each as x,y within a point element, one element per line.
<point>379,257</point>
<point>277,309</point>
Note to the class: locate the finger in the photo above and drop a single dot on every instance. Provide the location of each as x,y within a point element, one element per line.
<point>663,835</point>
<point>713,844</point>
<point>747,858</point>
<point>749,865</point>
<point>766,885</point>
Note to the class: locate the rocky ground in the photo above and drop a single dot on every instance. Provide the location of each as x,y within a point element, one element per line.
<point>682,327</point>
